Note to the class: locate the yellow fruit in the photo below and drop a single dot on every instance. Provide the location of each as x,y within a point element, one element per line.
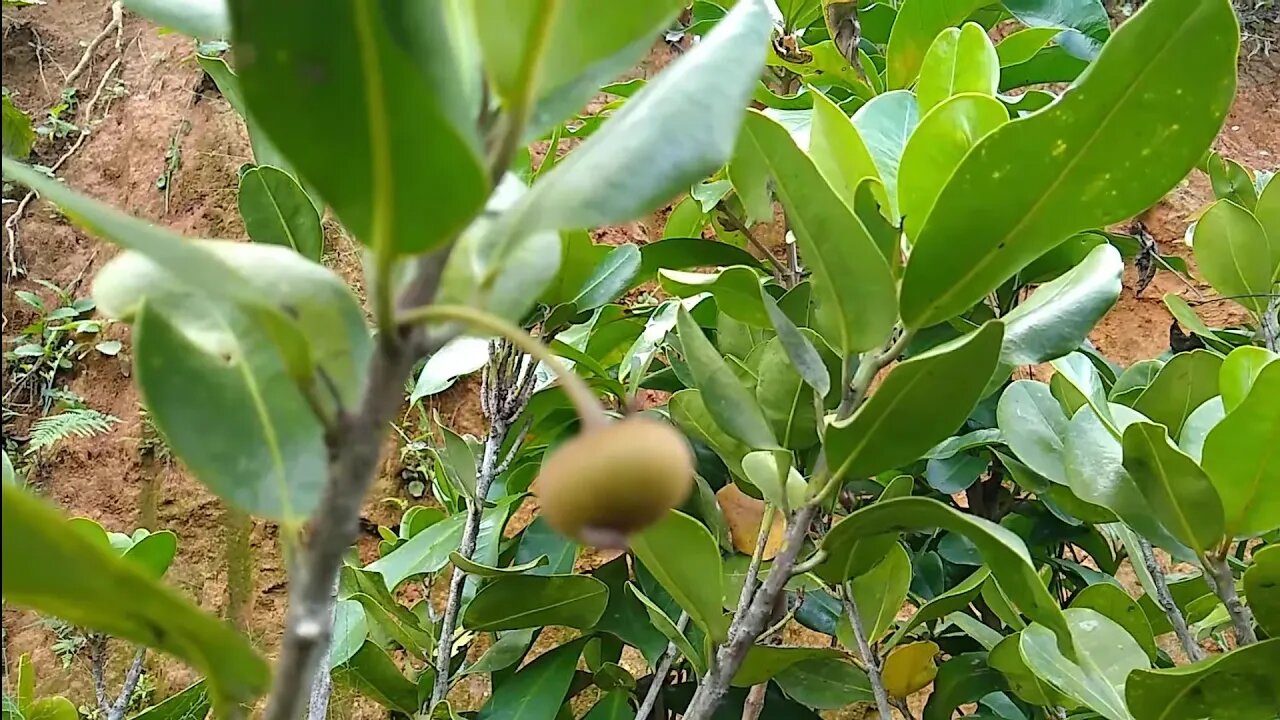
<point>614,480</point>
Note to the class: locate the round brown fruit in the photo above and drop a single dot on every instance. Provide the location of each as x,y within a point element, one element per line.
<point>614,480</point>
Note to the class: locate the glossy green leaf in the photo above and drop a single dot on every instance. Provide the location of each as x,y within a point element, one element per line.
<point>669,630</point>
<point>1034,428</point>
<point>849,555</point>
<point>276,210</point>
<point>51,708</point>
<point>610,279</point>
<point>917,24</point>
<point>385,87</point>
<point>1240,458</point>
<point>538,689</point>
<point>521,601</point>
<point>1267,211</point>
<point>1059,314</point>
<point>153,553</point>
<point>962,679</point>
<point>733,406</point>
<point>838,151</point>
<point>944,136</point>
<point>685,559</point>
<point>960,60</point>
<point>881,591</point>
<point>474,568</point>
<point>428,551</point>
<point>1090,159</point>
<point>1006,657</point>
<point>851,279</point>
<point>885,124</point>
<point>763,662</point>
<point>506,651</point>
<point>350,628</point>
<point>204,19</point>
<point>1106,654</point>
<point>615,705</point>
<point>786,399</point>
<point>1239,685</point>
<point>1188,318</point>
<point>372,672</point>
<point>1087,18</point>
<point>66,575</point>
<point>18,134</point>
<point>957,598</point>
<point>1116,604</point>
<point>385,613</point>
<point>1178,492</point>
<point>801,349</point>
<point>1002,550</point>
<point>192,703</point>
<point>1235,254</point>
<point>825,683</point>
<point>1231,181</point>
<point>1197,427</point>
<point>1239,371</point>
<point>684,253</point>
<point>736,290</point>
<point>689,412</point>
<point>921,402</point>
<point>1020,46</point>
<point>1262,589</point>
<point>634,163</point>
<point>624,617</point>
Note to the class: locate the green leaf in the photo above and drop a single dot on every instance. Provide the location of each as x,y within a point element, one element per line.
<point>1239,685</point>
<point>957,598</point>
<point>684,558</point>
<point>472,567</point>
<point>610,279</point>
<point>689,412</point>
<point>960,60</point>
<point>732,405</point>
<point>277,210</point>
<point>624,617</point>
<point>428,551</point>
<point>848,555</point>
<point>10,476</point>
<point>1240,458</point>
<point>884,124</point>
<point>385,613</point>
<point>1058,315</point>
<point>1034,428</point>
<point>192,703</point>
<point>350,628</point>
<point>683,253</point>
<point>242,428</point>
<point>918,23</point>
<point>1002,551</point>
<point>880,593</point>
<point>264,152</point>
<point>736,290</point>
<point>825,683</point>
<point>1006,657</point>
<point>1022,45</point>
<point>1090,159</point>
<point>17,131</point>
<point>921,402</point>
<point>1262,588</point>
<point>52,708</point>
<point>944,136</point>
<point>538,689</point>
<point>962,679</point>
<point>669,630</point>
<point>1231,181</point>
<point>538,541</point>
<point>153,553</point>
<point>1239,371</point>
<point>635,163</point>
<point>1197,427</point>
<point>1106,654</point>
<point>763,662</point>
<point>1187,317</point>
<point>372,671</point>
<point>62,573</point>
<point>852,281</point>
<point>839,153</point>
<point>1267,211</point>
<point>785,398</point>
<point>1122,609</point>
<point>521,601</point>
<point>1087,18</point>
<point>1135,379</point>
<point>204,19</point>
<point>1235,255</point>
<point>394,104</point>
<point>615,705</point>
<point>1178,492</point>
<point>506,651</point>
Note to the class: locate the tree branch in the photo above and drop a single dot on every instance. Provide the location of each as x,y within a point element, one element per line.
<point>870,660</point>
<point>1224,585</point>
<point>131,679</point>
<point>660,673</point>
<point>735,223</point>
<point>751,582</point>
<point>1165,600</point>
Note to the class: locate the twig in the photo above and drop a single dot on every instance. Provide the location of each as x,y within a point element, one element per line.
<point>1224,585</point>
<point>750,583</point>
<point>660,673</point>
<point>97,643</point>
<point>131,678</point>
<point>754,704</point>
<point>505,394</point>
<point>116,25</point>
<point>735,223</point>
<point>870,661</point>
<point>1165,600</point>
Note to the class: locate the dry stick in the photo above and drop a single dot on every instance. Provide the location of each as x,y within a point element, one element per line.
<point>660,673</point>
<point>506,393</point>
<point>869,658</point>
<point>117,20</point>
<point>1224,585</point>
<point>1165,600</point>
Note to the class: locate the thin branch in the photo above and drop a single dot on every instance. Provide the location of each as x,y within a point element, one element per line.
<point>1165,600</point>
<point>131,679</point>
<point>97,643</point>
<point>1224,585</point>
<point>116,25</point>
<point>660,673</point>
<point>754,704</point>
<point>736,224</point>
<point>751,582</point>
<point>870,661</point>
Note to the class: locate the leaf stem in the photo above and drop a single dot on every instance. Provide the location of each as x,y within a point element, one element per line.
<point>870,661</point>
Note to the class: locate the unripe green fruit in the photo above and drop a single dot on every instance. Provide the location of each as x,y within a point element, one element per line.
<point>614,480</point>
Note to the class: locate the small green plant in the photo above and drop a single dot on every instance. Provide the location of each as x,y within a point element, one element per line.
<point>69,640</point>
<point>72,422</point>
<point>172,161</point>
<point>55,126</point>
<point>61,334</point>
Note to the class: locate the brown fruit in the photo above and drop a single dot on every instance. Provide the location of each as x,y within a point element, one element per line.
<point>614,480</point>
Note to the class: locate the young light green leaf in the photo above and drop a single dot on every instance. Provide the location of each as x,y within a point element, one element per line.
<point>1106,654</point>
<point>1090,159</point>
<point>839,153</point>
<point>681,553</point>
<point>1239,371</point>
<point>383,87</point>
<point>1182,385</point>
<point>1240,458</point>
<point>733,407</point>
<point>61,573</point>
<point>1179,493</point>
<point>917,24</point>
<point>153,553</point>
<point>885,124</point>
<point>944,136</point>
<point>736,290</point>
<point>522,601</point>
<point>18,133</point>
<point>350,628</point>
<point>277,210</point>
<point>960,60</point>
<point>1236,255</point>
<point>921,402</point>
<point>1021,46</point>
<point>851,278</point>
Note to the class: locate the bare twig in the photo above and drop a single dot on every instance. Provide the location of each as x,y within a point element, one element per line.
<point>97,643</point>
<point>870,661</point>
<point>116,25</point>
<point>131,678</point>
<point>751,582</point>
<point>754,704</point>
<point>1165,600</point>
<point>1224,585</point>
<point>735,223</point>
<point>505,394</point>
<point>660,673</point>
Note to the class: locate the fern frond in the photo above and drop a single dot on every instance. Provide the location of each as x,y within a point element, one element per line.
<point>80,422</point>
